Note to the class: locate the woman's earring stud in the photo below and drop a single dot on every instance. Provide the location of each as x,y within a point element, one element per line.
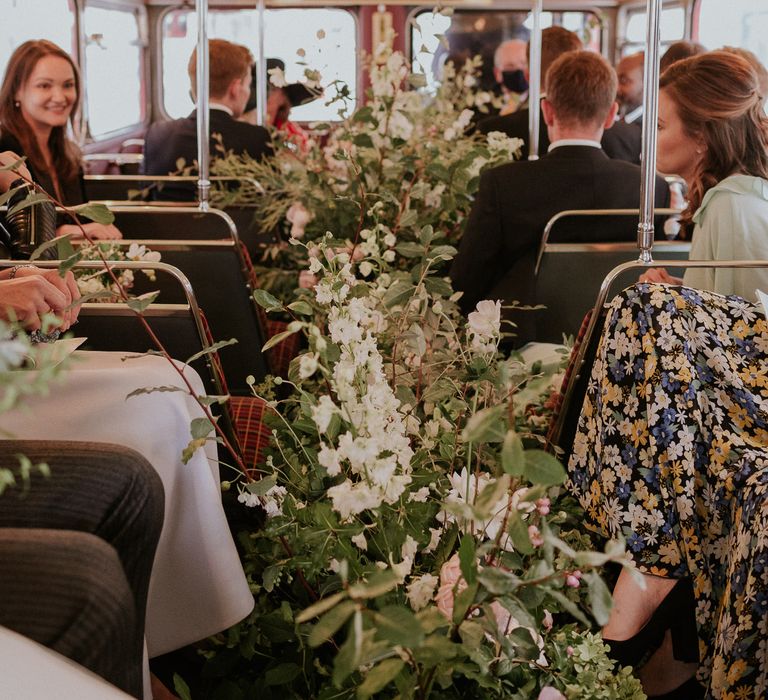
<point>17,104</point>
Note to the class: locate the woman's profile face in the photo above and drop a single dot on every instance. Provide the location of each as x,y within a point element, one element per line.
<point>47,98</point>
<point>678,153</point>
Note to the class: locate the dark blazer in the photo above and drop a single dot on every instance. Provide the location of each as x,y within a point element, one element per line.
<point>498,250</point>
<point>72,191</point>
<point>622,141</point>
<point>167,142</point>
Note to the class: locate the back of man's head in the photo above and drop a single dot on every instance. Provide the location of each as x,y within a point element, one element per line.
<point>555,41</point>
<point>226,62</point>
<point>581,87</point>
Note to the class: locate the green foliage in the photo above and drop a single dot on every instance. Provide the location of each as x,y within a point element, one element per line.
<point>412,538</point>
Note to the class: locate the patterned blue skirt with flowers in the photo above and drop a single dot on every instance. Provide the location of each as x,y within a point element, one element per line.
<point>672,454</point>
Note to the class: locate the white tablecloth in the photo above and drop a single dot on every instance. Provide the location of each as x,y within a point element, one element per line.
<point>198,586</point>
<point>30,672</point>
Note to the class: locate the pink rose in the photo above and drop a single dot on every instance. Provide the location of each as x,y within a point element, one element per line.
<point>550,693</point>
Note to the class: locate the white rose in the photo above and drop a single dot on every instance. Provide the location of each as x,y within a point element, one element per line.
<point>421,590</point>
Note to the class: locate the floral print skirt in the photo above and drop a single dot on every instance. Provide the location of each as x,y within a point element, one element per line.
<point>672,454</point>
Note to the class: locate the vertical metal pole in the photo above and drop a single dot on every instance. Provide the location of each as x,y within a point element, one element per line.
<point>650,117</point>
<point>203,129</point>
<point>261,76</point>
<point>534,87</point>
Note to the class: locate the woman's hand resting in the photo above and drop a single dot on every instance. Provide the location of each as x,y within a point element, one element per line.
<point>99,232</point>
<point>659,274</point>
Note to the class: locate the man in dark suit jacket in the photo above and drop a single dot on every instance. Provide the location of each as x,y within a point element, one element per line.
<point>622,141</point>
<point>230,86</point>
<point>503,233</point>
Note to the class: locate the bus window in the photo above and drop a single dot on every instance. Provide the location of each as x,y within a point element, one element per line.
<point>314,38</point>
<point>56,23</point>
<point>671,29</point>
<point>436,37</point>
<point>113,69</point>
<point>741,23</point>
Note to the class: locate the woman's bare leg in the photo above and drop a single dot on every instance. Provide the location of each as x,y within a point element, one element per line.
<point>633,606</point>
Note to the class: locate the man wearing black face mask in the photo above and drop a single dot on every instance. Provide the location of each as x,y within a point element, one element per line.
<point>510,66</point>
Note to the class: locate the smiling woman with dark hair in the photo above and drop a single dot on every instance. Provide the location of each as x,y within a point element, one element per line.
<point>39,95</point>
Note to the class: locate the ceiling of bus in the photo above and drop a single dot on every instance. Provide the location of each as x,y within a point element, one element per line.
<point>497,4</point>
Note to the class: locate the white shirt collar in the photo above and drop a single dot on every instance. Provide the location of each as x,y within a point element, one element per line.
<point>223,108</point>
<point>573,142</point>
<point>634,115</point>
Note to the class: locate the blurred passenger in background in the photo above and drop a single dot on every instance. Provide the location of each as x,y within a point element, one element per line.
<point>619,141</point>
<point>510,68</point>
<point>630,91</point>
<point>229,90</point>
<point>678,51</point>
<point>497,255</point>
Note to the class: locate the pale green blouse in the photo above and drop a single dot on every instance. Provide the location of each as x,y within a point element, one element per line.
<point>731,224</point>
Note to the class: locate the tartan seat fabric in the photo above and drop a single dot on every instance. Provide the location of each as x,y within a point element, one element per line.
<point>252,434</point>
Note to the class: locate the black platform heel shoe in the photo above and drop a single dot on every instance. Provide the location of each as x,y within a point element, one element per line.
<point>675,613</point>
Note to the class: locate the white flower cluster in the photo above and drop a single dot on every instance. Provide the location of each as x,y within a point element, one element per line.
<point>91,282</point>
<point>502,145</point>
<point>271,501</point>
<point>484,326</point>
<point>459,126</point>
<point>375,452</point>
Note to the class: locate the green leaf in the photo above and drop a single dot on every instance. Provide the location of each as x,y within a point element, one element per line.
<point>31,199</point>
<point>436,648</point>
<point>266,300</point>
<point>379,583</point>
<point>489,500</point>
<point>426,234</point>
<point>524,643</point>
<point>487,425</point>
<point>363,141</point>
<point>331,622</point>
<point>497,581</point>
<point>569,606</point>
<point>5,196</point>
<point>600,598</point>
<point>277,338</point>
<point>301,307</point>
<point>365,114</point>
<point>13,166</point>
<point>153,389</point>
<point>398,626</point>
<point>379,677</point>
<point>181,688</point>
<point>282,674</point>
<point>409,249</point>
<point>140,303</point>
<point>462,602</point>
<point>212,349</point>
<point>409,218</point>
<point>467,559</point>
<point>443,252</point>
<point>261,486</point>
<point>512,454</point>
<point>66,265</point>
<point>348,658</point>
<point>54,242</point>
<point>200,428</point>
<point>543,469</point>
<point>318,608</point>
<point>518,531</point>
<point>95,211</point>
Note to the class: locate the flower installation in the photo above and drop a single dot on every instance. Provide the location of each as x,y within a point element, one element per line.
<point>99,285</point>
<point>409,536</point>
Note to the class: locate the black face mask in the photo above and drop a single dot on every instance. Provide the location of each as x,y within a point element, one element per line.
<point>514,80</point>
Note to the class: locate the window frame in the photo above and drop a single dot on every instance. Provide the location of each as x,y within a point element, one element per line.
<point>158,95</point>
<point>139,10</point>
<point>627,10</point>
